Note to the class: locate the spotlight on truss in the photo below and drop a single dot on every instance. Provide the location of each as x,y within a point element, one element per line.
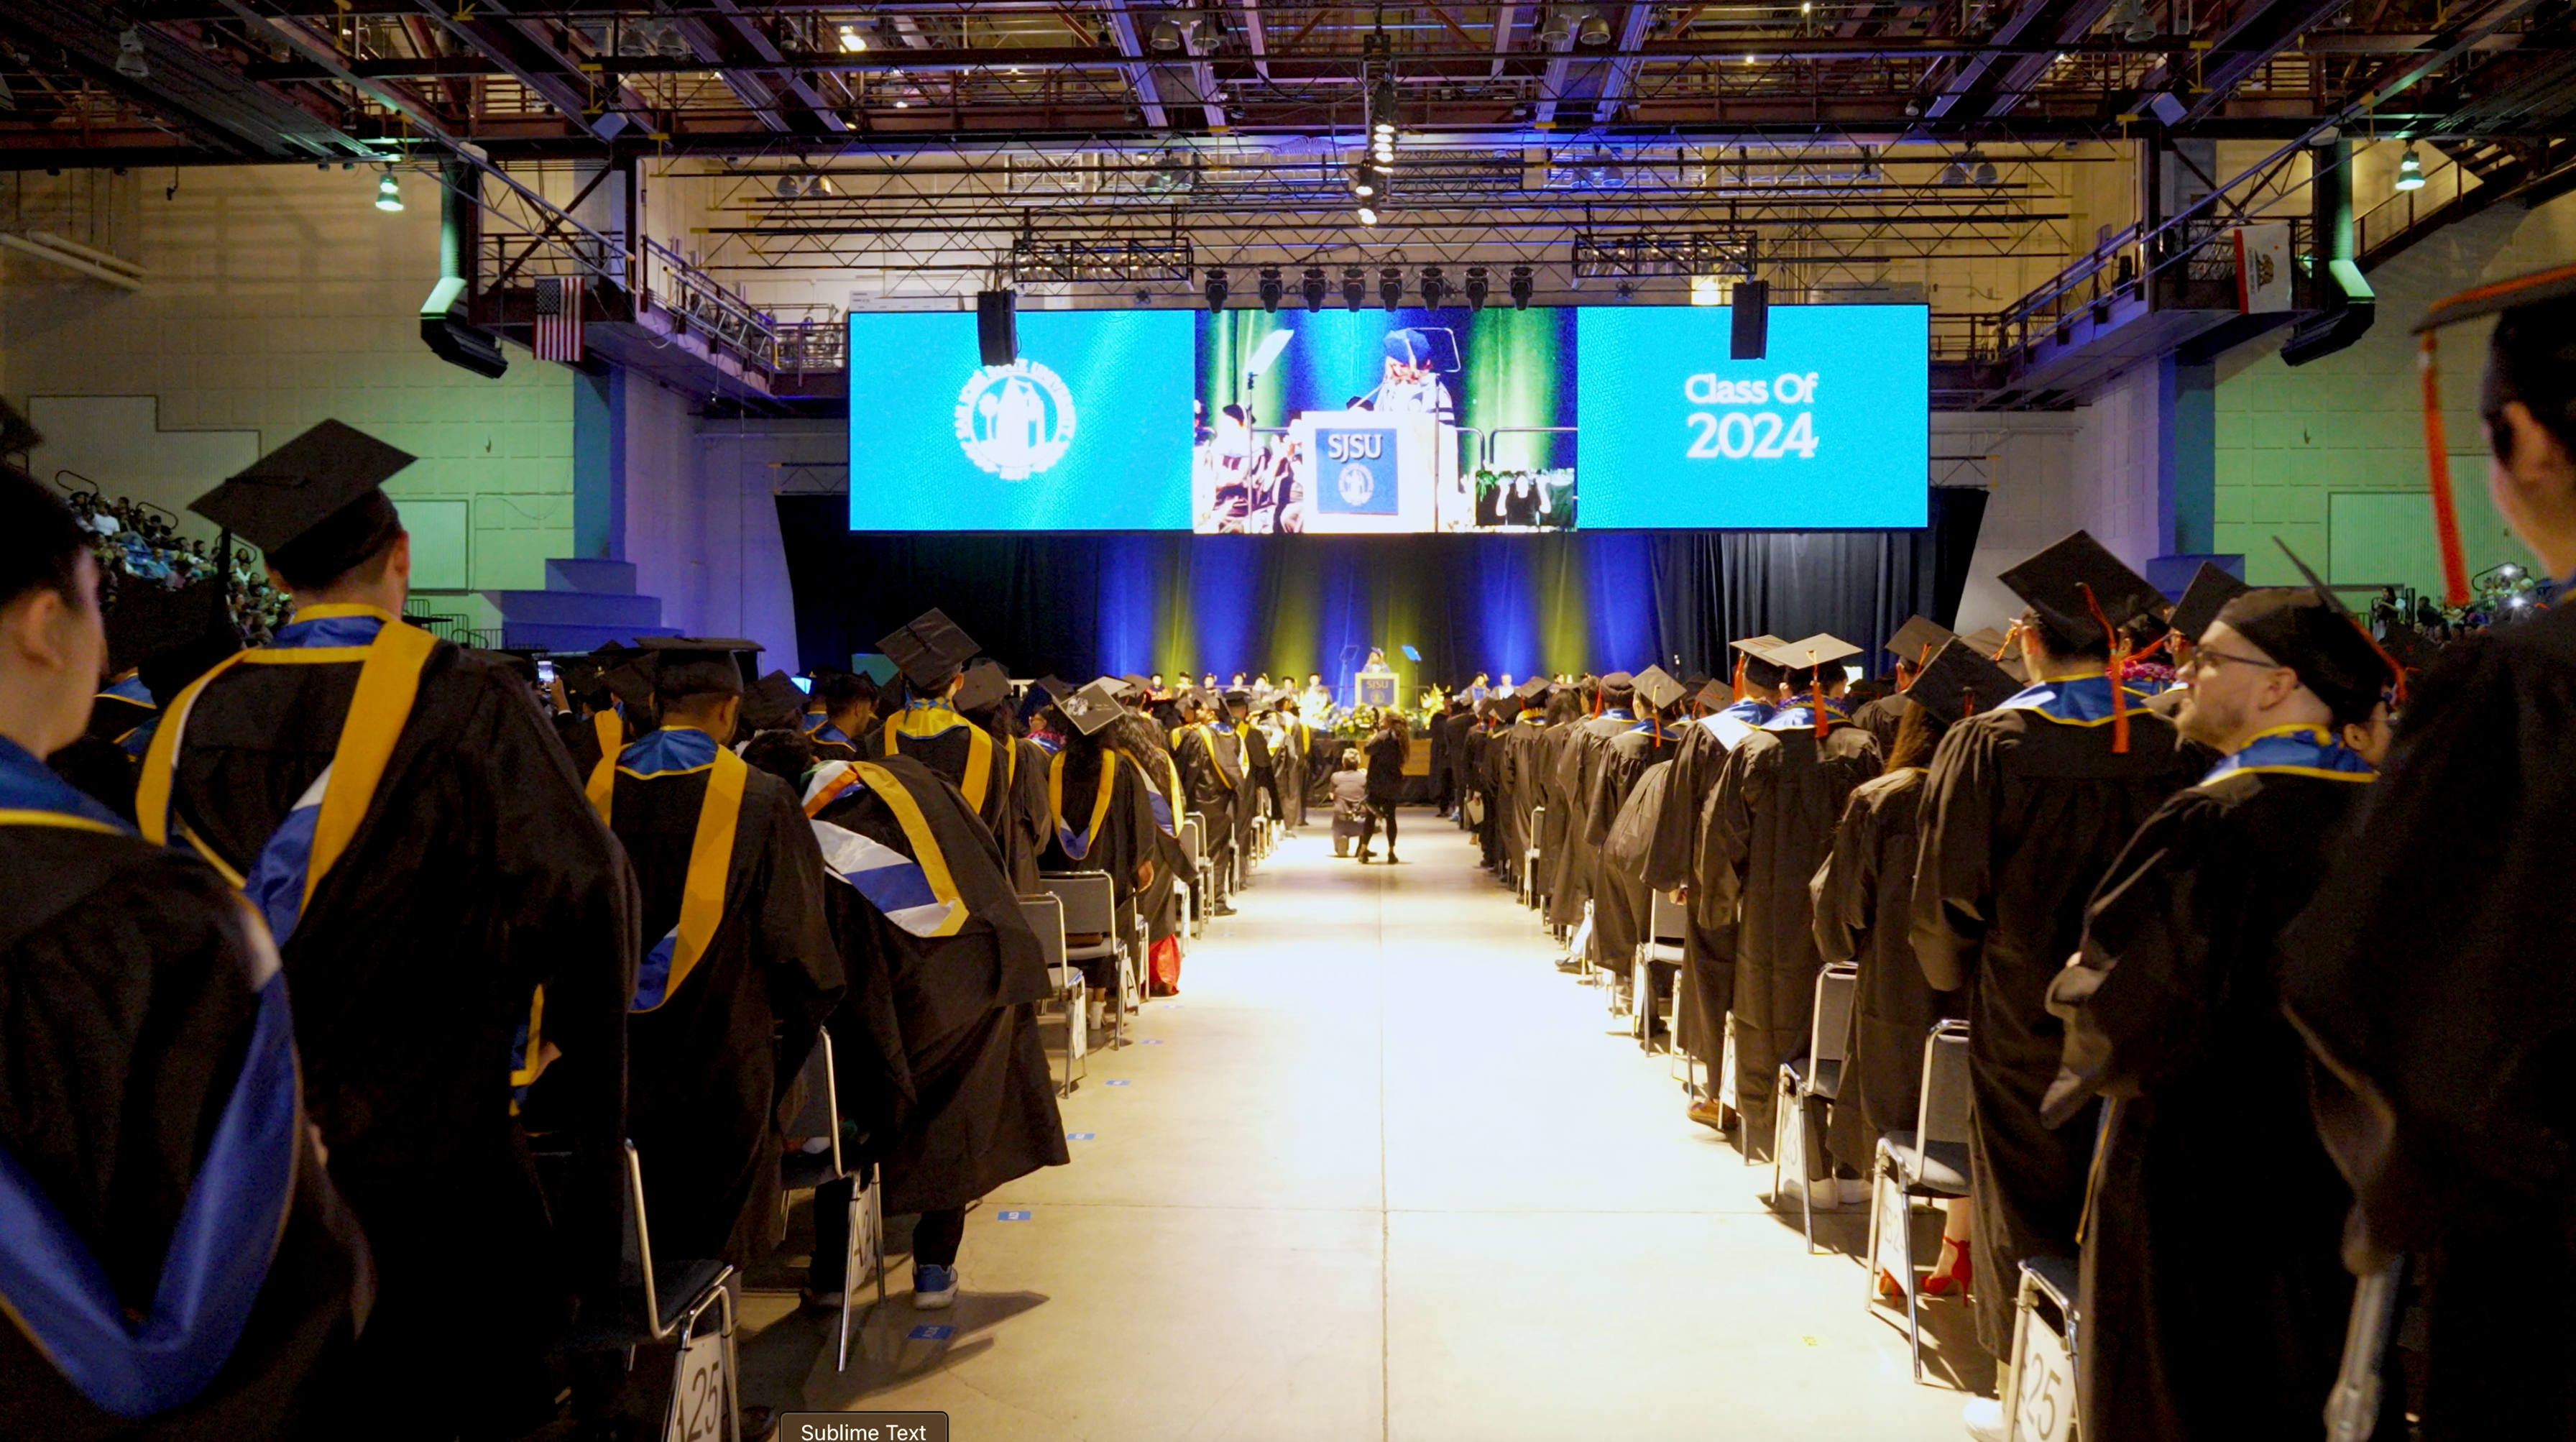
<point>1354,287</point>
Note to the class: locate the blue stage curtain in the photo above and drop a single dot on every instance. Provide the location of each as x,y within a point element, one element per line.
<point>1079,604</point>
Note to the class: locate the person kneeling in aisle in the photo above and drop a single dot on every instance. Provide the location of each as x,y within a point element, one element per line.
<point>1350,803</point>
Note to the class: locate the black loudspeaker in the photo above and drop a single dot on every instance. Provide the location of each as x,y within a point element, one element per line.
<point>1752,316</point>
<point>997,328</point>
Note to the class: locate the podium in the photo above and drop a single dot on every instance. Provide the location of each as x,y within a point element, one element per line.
<point>1376,688</point>
<point>1364,472</point>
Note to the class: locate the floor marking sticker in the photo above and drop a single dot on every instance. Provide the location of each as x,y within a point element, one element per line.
<point>930,1332</point>
<point>1012,1217</point>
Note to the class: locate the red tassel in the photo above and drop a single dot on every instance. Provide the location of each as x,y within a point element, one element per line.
<point>2011,634</point>
<point>1739,676</point>
<point>1816,698</point>
<point>2119,662</point>
<point>2437,458</point>
<point>1967,702</point>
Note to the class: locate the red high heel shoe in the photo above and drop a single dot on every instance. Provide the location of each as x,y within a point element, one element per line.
<point>1888,1290</point>
<point>1953,1272</point>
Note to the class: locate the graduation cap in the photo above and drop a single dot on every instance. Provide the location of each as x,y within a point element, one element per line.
<point>2409,647</point>
<point>1960,681</point>
<point>772,703</point>
<point>929,649</point>
<point>2351,667</point>
<point>520,662</point>
<point>1809,653</point>
<point>1716,696</point>
<point>1092,707</point>
<point>146,618</point>
<point>697,665</point>
<point>1658,689</point>
<point>629,678</point>
<point>312,506</point>
<point>2210,589</point>
<point>986,684</point>
<point>1990,643</point>
<point>1533,688</point>
<point>1618,681</point>
<point>1236,696</point>
<point>1433,348</point>
<point>1918,638</point>
<point>2083,591</point>
<point>167,672</point>
<point>2510,350</point>
<point>1055,687</point>
<point>582,675</point>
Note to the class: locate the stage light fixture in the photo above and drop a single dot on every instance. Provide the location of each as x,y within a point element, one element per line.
<point>1477,287</point>
<point>1521,286</point>
<point>1368,215</point>
<point>852,40</point>
<point>1954,173</point>
<point>1354,287</point>
<point>1390,287</point>
<point>1558,25</point>
<point>2410,169</point>
<point>1272,290</point>
<point>1595,29</point>
<point>1216,290</point>
<point>1164,34</point>
<point>1144,298</point>
<point>129,54</point>
<point>1311,286</point>
<point>389,193</point>
<point>1978,168</point>
<point>1435,287</point>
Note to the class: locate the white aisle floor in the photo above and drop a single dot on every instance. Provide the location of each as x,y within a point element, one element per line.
<point>1382,1171</point>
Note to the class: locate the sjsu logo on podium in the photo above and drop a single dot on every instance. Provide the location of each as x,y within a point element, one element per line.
<point>1015,420</point>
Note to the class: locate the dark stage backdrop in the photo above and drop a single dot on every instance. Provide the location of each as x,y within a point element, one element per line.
<point>1079,604</point>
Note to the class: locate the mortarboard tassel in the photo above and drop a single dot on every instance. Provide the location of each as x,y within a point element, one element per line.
<point>2437,459</point>
<point>2011,634</point>
<point>1739,676</point>
<point>1967,702</point>
<point>1816,698</point>
<point>2119,661</point>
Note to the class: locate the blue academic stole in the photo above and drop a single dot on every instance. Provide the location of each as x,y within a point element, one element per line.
<point>229,1226</point>
<point>1800,715</point>
<point>914,892</point>
<point>925,719</point>
<point>2076,701</point>
<point>2296,751</point>
<point>1077,844</point>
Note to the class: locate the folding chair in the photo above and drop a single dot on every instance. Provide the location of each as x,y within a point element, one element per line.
<point>2039,1382</point>
<point>2352,1408</point>
<point>1929,1161</point>
<point>1728,1103</point>
<point>1071,998</point>
<point>1091,909</point>
<point>656,1305</point>
<point>1818,1074</point>
<point>1204,865</point>
<point>1662,947</point>
<point>808,1171</point>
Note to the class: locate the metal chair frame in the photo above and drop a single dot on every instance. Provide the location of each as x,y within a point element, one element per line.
<point>1940,1117</point>
<point>1045,913</point>
<point>865,1239</point>
<point>1530,894</point>
<point>2050,1279</point>
<point>1088,897</point>
<point>640,1237</point>
<point>1807,1078</point>
<point>1661,944</point>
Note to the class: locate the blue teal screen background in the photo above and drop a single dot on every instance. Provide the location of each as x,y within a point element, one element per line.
<point>1136,378</point>
<point>1132,380</point>
<point>1871,416</point>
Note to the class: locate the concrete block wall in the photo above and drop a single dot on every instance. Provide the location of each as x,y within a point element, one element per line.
<point>2329,455</point>
<point>279,296</point>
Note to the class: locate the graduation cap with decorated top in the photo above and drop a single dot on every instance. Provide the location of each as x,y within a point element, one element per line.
<point>2210,589</point>
<point>2530,358</point>
<point>929,650</point>
<point>1959,681</point>
<point>315,506</point>
<point>1092,707</point>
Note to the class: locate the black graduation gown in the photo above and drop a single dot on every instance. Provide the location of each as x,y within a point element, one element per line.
<point>1572,757</point>
<point>1288,775</point>
<point>478,873</point>
<point>1123,841</point>
<point>938,1052</point>
<point>1026,821</point>
<point>1707,986</point>
<point>949,754</point>
<point>2173,1014</point>
<point>1212,770</point>
<point>2430,975</point>
<point>1881,717</point>
<point>1864,895</point>
<point>707,1068</point>
<point>1767,830</point>
<point>1620,901</point>
<point>1462,775</point>
<point>1477,750</point>
<point>1515,787</point>
<point>128,988</point>
<point>1257,778</point>
<point>2021,817</point>
<point>1439,763</point>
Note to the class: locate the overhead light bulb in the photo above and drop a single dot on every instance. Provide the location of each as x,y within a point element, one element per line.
<point>1595,31</point>
<point>1985,174</point>
<point>852,40</point>
<point>389,193</point>
<point>1164,35</point>
<point>903,105</point>
<point>2410,170</point>
<point>1368,215</point>
<point>129,54</point>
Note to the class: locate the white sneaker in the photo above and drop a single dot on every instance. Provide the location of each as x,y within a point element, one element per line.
<point>1851,1191</point>
<point>1984,1417</point>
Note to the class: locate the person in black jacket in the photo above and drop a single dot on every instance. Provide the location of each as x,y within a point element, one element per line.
<point>1386,755</point>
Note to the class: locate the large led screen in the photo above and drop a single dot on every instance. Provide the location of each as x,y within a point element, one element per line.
<point>1339,421</point>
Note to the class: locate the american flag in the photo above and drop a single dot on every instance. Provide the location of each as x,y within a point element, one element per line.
<point>558,330</point>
